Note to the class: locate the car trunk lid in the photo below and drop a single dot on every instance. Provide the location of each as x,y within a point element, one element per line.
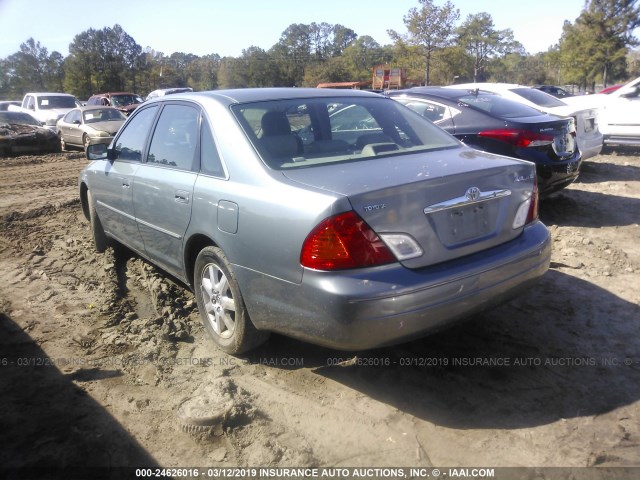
<point>452,204</point>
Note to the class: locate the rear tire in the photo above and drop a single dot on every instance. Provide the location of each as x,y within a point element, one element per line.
<point>100,239</point>
<point>221,305</point>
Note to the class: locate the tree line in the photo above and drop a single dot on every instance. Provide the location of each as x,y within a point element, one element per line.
<point>436,49</point>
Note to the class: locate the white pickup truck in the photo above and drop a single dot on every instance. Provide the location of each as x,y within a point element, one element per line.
<point>47,108</point>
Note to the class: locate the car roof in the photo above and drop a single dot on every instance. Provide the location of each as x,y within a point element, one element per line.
<point>49,94</point>
<point>112,93</point>
<point>449,93</point>
<point>248,95</point>
<point>489,86</point>
<point>84,108</point>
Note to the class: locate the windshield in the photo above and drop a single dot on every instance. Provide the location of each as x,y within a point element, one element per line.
<point>539,97</point>
<point>312,131</point>
<point>124,100</point>
<point>18,118</point>
<point>103,115</point>
<point>49,102</point>
<point>498,106</point>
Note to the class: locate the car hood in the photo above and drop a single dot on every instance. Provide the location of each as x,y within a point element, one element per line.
<point>426,196</point>
<point>110,127</point>
<point>54,112</point>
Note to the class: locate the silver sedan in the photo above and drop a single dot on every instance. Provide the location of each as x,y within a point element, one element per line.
<point>91,124</point>
<point>338,217</point>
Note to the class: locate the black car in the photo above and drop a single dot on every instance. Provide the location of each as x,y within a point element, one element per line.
<point>20,133</point>
<point>492,123</point>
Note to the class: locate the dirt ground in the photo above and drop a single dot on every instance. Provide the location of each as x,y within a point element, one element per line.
<point>104,362</point>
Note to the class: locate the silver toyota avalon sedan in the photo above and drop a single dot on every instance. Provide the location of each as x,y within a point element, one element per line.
<point>338,217</point>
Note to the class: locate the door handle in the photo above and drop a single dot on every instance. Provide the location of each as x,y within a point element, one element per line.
<point>181,196</point>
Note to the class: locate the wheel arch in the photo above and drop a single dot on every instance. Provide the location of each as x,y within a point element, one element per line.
<point>194,245</point>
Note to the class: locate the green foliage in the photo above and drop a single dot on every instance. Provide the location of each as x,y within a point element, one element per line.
<point>595,47</point>
<point>32,68</point>
<point>482,41</point>
<point>429,28</point>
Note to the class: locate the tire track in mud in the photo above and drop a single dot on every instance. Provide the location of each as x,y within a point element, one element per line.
<point>29,182</point>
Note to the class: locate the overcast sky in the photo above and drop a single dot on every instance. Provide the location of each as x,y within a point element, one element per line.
<point>226,27</point>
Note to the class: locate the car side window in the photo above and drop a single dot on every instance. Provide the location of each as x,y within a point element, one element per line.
<point>74,116</point>
<point>210,163</point>
<point>175,137</point>
<point>131,141</point>
<point>434,112</point>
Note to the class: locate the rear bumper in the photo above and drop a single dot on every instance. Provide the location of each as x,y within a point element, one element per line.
<point>621,140</point>
<point>96,140</point>
<point>554,176</point>
<point>385,305</point>
<point>590,146</point>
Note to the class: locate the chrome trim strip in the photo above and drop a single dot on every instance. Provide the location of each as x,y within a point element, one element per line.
<point>142,222</point>
<point>158,229</point>
<point>119,212</point>
<point>464,201</point>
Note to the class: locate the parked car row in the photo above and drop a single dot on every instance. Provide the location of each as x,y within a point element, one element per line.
<point>492,123</point>
<point>73,123</point>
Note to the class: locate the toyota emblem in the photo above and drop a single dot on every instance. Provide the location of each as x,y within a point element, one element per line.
<point>473,194</point>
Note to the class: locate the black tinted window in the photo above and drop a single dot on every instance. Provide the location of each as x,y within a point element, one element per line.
<point>131,142</point>
<point>175,137</point>
<point>538,97</point>
<point>498,106</point>
<point>209,159</point>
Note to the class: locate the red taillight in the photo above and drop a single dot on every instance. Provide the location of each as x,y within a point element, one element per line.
<point>533,206</point>
<point>519,138</point>
<point>343,241</point>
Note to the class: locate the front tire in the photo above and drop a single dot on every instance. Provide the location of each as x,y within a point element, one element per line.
<point>100,239</point>
<point>63,144</point>
<point>85,141</point>
<point>221,305</point>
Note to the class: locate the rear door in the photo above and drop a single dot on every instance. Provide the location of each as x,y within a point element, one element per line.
<point>163,186</point>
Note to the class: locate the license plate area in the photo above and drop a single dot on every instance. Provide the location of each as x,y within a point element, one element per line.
<point>564,145</point>
<point>467,223</point>
<point>589,125</point>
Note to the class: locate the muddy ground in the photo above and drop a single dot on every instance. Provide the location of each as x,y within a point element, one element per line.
<point>104,362</point>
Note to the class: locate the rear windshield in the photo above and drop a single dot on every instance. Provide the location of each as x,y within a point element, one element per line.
<point>498,106</point>
<point>539,97</point>
<point>124,100</point>
<point>297,133</point>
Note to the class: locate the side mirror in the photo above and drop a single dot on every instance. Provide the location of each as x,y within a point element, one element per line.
<point>97,151</point>
<point>76,122</point>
